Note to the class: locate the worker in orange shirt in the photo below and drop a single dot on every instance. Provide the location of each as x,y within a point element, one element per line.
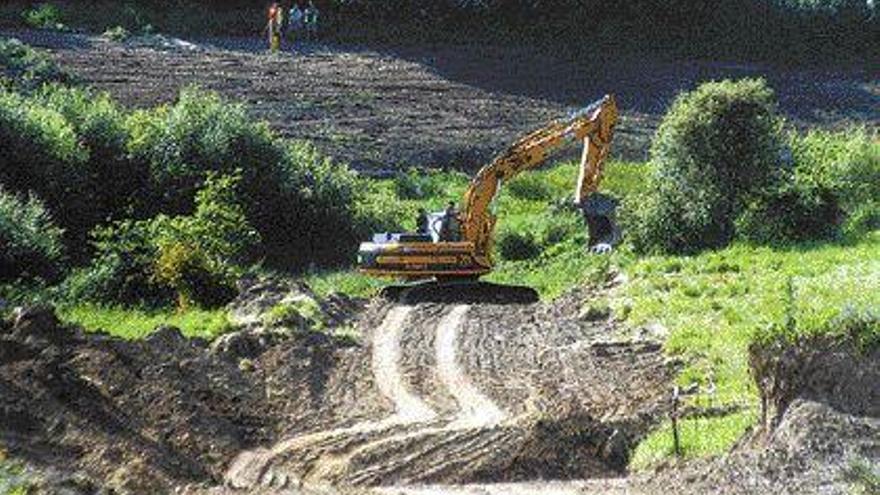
<point>273,27</point>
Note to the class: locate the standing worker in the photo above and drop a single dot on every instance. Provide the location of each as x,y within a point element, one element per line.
<point>311,20</point>
<point>295,21</point>
<point>450,230</point>
<point>273,27</point>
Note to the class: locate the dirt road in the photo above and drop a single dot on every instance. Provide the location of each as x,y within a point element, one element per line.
<point>380,108</point>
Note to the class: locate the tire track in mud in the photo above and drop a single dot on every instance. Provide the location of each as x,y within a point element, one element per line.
<point>253,468</point>
<point>476,409</point>
<point>372,451</point>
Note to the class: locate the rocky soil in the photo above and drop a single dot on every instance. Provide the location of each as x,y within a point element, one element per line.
<point>380,108</point>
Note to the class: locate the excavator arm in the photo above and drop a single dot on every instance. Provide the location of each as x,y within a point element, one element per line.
<point>593,125</point>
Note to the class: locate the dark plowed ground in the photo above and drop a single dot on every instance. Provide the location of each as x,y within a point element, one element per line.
<point>439,105</point>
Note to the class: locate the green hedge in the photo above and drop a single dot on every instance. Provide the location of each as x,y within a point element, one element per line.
<point>92,163</point>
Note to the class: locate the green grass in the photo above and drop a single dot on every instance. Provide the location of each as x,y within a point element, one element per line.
<point>717,303</point>
<point>136,323</point>
<point>347,282</point>
<point>13,477</point>
<point>864,477</point>
<point>698,437</point>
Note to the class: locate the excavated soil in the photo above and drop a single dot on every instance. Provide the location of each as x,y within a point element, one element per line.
<point>462,398</point>
<point>432,393</point>
<point>437,105</point>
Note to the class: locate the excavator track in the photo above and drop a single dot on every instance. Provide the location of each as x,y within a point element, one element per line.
<point>459,291</point>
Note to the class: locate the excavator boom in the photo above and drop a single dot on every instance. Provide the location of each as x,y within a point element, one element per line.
<point>469,255</point>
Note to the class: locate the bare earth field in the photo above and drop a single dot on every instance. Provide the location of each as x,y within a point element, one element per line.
<point>436,105</point>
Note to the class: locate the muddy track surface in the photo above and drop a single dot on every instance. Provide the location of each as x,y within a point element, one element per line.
<point>436,105</point>
<point>477,394</point>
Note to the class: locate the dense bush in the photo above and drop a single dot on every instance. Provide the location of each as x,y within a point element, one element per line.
<point>43,16</point>
<point>30,242</point>
<point>191,259</point>
<point>716,148</point>
<point>68,146</point>
<point>25,69</point>
<point>847,164</point>
<point>515,246</point>
<point>790,213</point>
<point>299,202</point>
<point>121,272</point>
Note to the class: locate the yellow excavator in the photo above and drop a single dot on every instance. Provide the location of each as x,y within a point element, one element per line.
<point>458,245</point>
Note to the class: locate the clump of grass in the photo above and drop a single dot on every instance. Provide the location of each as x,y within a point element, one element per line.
<point>349,282</point>
<point>699,437</point>
<point>117,33</point>
<point>14,478</point>
<point>864,477</point>
<point>301,310</point>
<point>133,324</point>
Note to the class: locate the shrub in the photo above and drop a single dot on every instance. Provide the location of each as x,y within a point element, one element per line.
<point>41,152</point>
<point>25,69</point>
<point>191,259</point>
<point>848,165</point>
<point>110,184</point>
<point>43,16</point>
<point>299,202</point>
<point>122,268</point>
<point>517,246</point>
<point>200,256</point>
<point>789,214</point>
<point>67,145</point>
<point>30,242</point>
<point>717,147</point>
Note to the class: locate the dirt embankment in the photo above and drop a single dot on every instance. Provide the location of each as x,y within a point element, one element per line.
<point>458,105</point>
<point>432,393</point>
<point>821,417</point>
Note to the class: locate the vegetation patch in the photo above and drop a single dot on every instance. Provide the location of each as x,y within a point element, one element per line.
<point>716,304</point>
<point>132,323</point>
<point>698,437</point>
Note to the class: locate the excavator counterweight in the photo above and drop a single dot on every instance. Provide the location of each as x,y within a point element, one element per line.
<point>465,251</point>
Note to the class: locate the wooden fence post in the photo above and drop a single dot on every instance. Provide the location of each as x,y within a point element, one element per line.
<point>676,443</point>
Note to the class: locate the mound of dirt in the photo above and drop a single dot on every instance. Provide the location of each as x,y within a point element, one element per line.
<point>821,416</point>
<point>143,417</point>
<point>435,392</point>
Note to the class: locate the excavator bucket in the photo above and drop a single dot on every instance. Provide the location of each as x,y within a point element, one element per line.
<point>600,214</point>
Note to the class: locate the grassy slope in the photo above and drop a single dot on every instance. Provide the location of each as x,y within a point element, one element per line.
<point>132,323</point>
<point>715,304</point>
<point>712,305</point>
